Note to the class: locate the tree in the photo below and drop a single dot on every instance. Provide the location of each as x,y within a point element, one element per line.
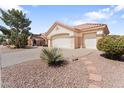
<point>5,31</point>
<point>18,24</point>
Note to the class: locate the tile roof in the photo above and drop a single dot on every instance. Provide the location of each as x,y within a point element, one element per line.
<point>82,27</point>
<point>88,25</point>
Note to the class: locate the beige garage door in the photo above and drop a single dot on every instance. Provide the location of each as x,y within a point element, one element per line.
<point>61,42</point>
<point>90,41</point>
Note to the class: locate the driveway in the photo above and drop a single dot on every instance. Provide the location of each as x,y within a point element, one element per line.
<point>11,58</point>
<point>91,70</point>
<point>14,57</point>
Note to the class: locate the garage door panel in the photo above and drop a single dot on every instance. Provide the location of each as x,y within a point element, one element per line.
<point>90,41</point>
<point>61,42</point>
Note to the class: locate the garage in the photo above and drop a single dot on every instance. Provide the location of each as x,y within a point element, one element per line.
<point>62,41</point>
<point>81,36</point>
<point>90,41</point>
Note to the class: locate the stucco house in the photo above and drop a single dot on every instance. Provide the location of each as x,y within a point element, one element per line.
<point>40,40</point>
<point>81,36</point>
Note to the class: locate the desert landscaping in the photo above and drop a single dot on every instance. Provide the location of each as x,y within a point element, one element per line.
<point>84,68</point>
<point>65,56</point>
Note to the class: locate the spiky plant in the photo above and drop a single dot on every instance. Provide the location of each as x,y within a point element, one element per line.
<point>52,56</point>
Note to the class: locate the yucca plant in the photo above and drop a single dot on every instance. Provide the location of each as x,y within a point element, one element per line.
<point>52,56</point>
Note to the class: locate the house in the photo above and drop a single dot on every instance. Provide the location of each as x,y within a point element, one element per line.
<point>37,40</point>
<point>81,36</point>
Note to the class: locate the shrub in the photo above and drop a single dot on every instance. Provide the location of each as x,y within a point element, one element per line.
<point>52,56</point>
<point>19,40</point>
<point>112,45</point>
<point>2,39</point>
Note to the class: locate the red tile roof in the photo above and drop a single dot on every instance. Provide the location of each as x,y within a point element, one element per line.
<point>82,27</point>
<point>87,26</point>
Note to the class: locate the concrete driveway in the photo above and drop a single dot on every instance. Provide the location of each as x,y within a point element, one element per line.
<point>11,58</point>
<point>8,59</point>
<point>91,69</point>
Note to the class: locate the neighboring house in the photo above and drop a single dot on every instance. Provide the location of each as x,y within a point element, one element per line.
<point>81,36</point>
<point>37,40</point>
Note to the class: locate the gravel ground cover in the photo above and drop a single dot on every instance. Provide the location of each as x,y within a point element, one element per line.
<point>112,72</point>
<point>37,73</point>
<point>11,58</point>
<point>5,49</point>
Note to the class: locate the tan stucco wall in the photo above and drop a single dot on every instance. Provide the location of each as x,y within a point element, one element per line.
<point>49,45</point>
<point>77,39</point>
<point>98,37</point>
<point>59,32</point>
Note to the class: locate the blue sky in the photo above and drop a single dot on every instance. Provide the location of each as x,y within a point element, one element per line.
<point>43,16</point>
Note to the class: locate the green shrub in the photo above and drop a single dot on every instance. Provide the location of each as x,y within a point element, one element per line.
<point>2,39</point>
<point>52,56</point>
<point>19,39</point>
<point>112,45</point>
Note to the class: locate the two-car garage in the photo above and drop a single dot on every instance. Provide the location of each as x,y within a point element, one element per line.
<point>81,36</point>
<point>64,41</point>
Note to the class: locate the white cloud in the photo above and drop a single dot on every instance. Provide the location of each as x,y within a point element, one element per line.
<point>122,16</point>
<point>96,15</point>
<point>104,13</point>
<point>78,22</point>
<point>119,8</point>
<point>106,10</point>
<point>6,7</point>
